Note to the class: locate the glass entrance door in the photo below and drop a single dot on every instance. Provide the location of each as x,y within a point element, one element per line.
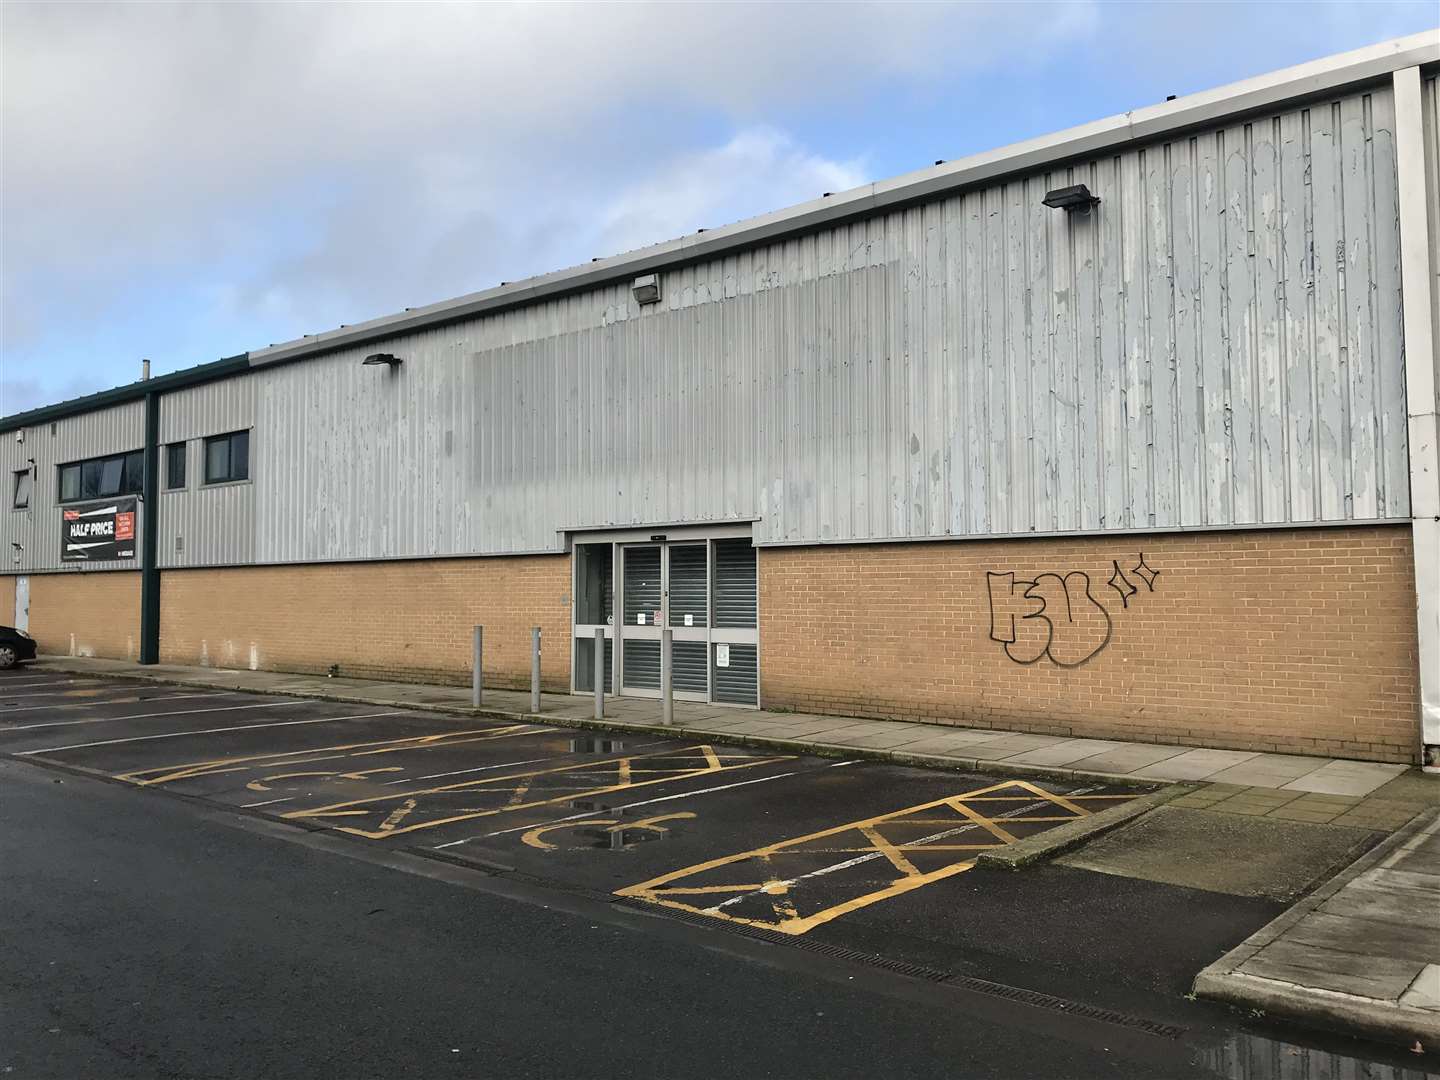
<point>642,606</point>
<point>665,585</point>
<point>703,590</point>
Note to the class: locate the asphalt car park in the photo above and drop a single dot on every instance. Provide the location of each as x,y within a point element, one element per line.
<point>872,861</point>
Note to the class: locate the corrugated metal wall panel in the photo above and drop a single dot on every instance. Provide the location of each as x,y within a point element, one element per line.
<point>1430,111</point>
<point>204,525</point>
<point>118,429</point>
<point>1216,344</point>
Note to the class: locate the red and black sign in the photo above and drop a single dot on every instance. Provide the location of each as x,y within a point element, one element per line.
<point>98,531</point>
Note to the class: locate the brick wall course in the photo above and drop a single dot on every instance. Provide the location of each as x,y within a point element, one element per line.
<point>407,620</point>
<point>1294,640</point>
<point>89,613</point>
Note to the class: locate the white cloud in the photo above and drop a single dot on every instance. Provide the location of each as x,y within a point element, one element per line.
<point>382,149</point>
<point>292,166</point>
<point>758,168</point>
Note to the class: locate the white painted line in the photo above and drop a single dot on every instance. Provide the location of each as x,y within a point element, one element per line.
<point>50,682</point>
<point>212,731</point>
<point>267,802</point>
<point>144,716</point>
<point>871,856</point>
<point>112,688</point>
<point>124,699</point>
<point>613,809</point>
<point>461,772</point>
<point>506,764</point>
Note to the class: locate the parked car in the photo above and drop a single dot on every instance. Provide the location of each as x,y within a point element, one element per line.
<point>15,646</point>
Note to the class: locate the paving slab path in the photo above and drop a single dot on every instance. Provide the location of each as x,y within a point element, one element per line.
<point>1361,953</point>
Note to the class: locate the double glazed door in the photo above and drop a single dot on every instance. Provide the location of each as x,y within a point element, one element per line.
<point>703,590</point>
<point>665,585</point>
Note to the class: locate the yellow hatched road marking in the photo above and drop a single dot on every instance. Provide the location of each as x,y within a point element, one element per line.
<point>170,773</point>
<point>666,890</point>
<point>528,778</point>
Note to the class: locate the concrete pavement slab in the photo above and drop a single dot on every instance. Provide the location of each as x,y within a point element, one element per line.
<point>1356,955</point>
<point>1126,759</point>
<point>1195,764</point>
<point>1240,856</point>
<point>1346,778</point>
<point>1064,752</point>
<point>1269,770</point>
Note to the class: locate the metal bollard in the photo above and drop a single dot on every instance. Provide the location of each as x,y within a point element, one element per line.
<point>477,680</point>
<point>667,677</point>
<point>599,673</point>
<point>535,669</point>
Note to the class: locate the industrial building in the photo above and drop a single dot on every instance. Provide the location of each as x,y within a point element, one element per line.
<point>1125,431</point>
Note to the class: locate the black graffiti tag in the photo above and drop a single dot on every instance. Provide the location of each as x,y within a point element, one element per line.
<point>1056,615</point>
<point>1051,616</point>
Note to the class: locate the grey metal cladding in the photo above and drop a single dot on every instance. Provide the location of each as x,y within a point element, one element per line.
<point>114,430</point>
<point>1430,113</point>
<point>203,525</point>
<point>1217,344</point>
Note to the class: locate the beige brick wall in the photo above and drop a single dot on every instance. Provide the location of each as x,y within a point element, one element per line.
<point>7,600</point>
<point>1298,640</point>
<point>405,620</point>
<point>91,613</point>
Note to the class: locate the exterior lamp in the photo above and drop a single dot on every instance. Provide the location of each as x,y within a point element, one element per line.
<point>1075,197</point>
<point>388,359</point>
<point>646,289</point>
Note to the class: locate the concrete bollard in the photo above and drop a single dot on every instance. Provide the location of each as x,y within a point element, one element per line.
<point>599,673</point>
<point>667,677</point>
<point>477,681</point>
<point>535,669</point>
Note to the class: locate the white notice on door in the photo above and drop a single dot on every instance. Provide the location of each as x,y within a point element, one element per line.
<point>640,618</point>
<point>722,655</point>
<point>689,620</point>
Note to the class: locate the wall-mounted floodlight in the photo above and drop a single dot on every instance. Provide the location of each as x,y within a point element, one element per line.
<point>646,289</point>
<point>1075,197</point>
<point>388,359</point>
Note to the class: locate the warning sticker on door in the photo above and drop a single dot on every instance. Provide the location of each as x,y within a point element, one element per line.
<point>722,655</point>
<point>689,620</point>
<point>639,618</point>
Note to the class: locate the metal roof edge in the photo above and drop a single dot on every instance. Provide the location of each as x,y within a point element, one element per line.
<point>160,384</point>
<point>1300,81</point>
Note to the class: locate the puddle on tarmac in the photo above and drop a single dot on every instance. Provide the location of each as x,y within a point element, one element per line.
<point>594,744</point>
<point>618,839</point>
<point>1245,1056</point>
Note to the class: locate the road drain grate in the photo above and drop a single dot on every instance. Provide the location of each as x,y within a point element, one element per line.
<point>921,971</point>
<point>1076,1008</point>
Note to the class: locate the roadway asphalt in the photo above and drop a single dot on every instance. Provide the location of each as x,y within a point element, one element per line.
<point>208,884</point>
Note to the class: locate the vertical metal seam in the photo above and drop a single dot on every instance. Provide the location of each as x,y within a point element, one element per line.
<point>1342,258</point>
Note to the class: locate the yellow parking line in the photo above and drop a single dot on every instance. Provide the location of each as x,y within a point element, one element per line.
<point>667,889</point>
<point>171,773</point>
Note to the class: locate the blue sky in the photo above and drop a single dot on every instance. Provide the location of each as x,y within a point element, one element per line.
<point>187,182</point>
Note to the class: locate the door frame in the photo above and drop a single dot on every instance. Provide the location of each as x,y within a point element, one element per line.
<point>662,536</point>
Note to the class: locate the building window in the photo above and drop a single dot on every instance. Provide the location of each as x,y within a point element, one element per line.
<point>24,485</point>
<point>227,457</point>
<point>174,466</point>
<point>103,477</point>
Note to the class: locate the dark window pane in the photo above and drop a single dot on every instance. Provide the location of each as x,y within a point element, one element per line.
<point>69,483</point>
<point>175,465</point>
<point>112,473</point>
<point>240,456</point>
<point>217,460</point>
<point>90,479</point>
<point>24,482</point>
<point>134,473</point>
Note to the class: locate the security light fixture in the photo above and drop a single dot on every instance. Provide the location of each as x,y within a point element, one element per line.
<point>1075,197</point>
<point>388,359</point>
<point>646,289</point>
